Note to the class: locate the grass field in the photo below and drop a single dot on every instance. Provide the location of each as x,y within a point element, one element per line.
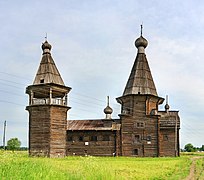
<point>18,165</point>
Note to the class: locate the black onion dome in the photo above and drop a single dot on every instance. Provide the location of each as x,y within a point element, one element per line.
<point>141,41</point>
<point>46,45</point>
<point>167,107</point>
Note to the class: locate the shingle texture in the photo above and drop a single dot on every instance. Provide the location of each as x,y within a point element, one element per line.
<point>140,80</point>
<point>90,125</point>
<point>47,71</point>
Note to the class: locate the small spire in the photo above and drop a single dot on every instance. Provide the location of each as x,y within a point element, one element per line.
<point>166,99</point>
<point>45,36</point>
<point>141,43</point>
<point>141,29</point>
<point>107,100</point>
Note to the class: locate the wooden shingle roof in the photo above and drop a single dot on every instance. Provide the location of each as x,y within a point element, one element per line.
<point>140,80</point>
<point>95,125</point>
<point>47,71</point>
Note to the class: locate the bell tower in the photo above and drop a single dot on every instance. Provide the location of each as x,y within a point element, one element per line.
<point>47,109</point>
<point>139,107</point>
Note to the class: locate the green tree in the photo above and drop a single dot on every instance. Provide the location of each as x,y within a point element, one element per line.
<point>202,148</point>
<point>13,144</point>
<point>189,148</point>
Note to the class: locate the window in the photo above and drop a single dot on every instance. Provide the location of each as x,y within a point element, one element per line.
<point>106,138</point>
<point>126,111</point>
<point>149,138</point>
<point>70,138</point>
<point>42,81</point>
<point>135,152</point>
<point>139,124</point>
<point>136,138</point>
<point>81,138</point>
<point>166,138</point>
<point>93,138</point>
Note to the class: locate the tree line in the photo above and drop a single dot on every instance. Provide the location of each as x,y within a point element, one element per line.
<point>14,144</point>
<point>190,148</point>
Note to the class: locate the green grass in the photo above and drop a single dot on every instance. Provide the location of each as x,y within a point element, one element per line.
<point>199,169</point>
<point>192,154</point>
<point>18,165</point>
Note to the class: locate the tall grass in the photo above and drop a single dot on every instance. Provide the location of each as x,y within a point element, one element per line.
<point>199,169</point>
<point>18,165</point>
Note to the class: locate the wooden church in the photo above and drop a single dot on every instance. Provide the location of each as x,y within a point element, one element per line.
<point>141,130</point>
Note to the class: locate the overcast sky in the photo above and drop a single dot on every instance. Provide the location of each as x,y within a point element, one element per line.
<point>93,48</point>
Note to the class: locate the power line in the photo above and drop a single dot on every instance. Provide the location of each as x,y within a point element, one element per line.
<point>11,93</point>
<point>20,77</point>
<point>88,97</point>
<point>12,82</point>
<point>11,103</point>
<point>10,85</point>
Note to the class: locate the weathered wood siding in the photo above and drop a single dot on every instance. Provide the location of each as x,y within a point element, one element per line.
<point>39,130</point>
<point>169,126</point>
<point>58,128</point>
<point>139,128</point>
<point>47,130</point>
<point>167,138</point>
<point>100,147</point>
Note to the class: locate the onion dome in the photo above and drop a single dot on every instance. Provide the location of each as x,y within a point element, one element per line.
<point>108,110</point>
<point>141,42</point>
<point>167,107</point>
<point>46,47</point>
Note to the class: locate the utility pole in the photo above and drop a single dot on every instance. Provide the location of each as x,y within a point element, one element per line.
<point>4,137</point>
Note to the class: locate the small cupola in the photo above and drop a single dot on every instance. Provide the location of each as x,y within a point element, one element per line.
<point>46,47</point>
<point>141,43</point>
<point>167,107</point>
<point>108,110</point>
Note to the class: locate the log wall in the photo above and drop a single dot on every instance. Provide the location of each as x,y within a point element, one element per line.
<point>139,130</point>
<point>47,130</point>
<point>100,147</point>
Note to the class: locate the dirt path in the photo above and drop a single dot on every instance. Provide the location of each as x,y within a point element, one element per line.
<point>191,176</point>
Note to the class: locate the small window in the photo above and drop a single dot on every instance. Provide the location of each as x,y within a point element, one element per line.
<point>149,138</point>
<point>135,152</point>
<point>126,110</point>
<point>166,138</point>
<point>106,138</point>
<point>139,125</point>
<point>136,138</point>
<point>93,138</point>
<point>42,81</point>
<point>81,138</point>
<point>70,138</point>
